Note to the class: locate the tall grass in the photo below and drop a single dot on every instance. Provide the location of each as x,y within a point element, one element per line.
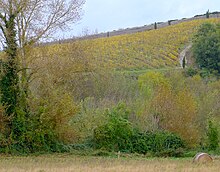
<point>70,163</point>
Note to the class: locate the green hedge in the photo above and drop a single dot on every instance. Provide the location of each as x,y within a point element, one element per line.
<point>118,134</point>
<point>158,143</point>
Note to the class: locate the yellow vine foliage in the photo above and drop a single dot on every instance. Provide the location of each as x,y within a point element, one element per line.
<point>150,49</point>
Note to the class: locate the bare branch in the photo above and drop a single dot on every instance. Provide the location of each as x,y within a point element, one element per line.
<point>38,19</point>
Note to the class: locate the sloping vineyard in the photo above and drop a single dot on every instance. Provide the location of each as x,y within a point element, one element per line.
<point>143,50</point>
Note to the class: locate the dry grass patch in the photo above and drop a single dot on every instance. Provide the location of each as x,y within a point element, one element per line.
<point>73,163</point>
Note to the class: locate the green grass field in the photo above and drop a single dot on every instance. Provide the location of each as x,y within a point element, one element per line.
<point>74,163</point>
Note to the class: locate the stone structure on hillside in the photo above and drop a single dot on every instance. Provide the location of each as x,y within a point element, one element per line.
<point>183,56</point>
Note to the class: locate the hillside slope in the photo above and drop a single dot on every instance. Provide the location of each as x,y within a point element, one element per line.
<point>144,50</point>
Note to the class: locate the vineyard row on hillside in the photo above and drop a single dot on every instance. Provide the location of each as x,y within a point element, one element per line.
<point>143,50</point>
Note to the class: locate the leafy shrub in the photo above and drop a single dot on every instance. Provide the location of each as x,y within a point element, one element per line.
<point>4,129</point>
<point>45,129</point>
<point>190,72</point>
<point>213,139</point>
<point>206,47</point>
<point>119,135</point>
<point>142,142</point>
<point>160,143</point>
<point>116,133</point>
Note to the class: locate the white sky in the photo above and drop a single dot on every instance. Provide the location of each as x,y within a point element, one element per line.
<point>108,15</point>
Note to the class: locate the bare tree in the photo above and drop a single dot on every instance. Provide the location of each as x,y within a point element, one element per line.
<point>38,19</point>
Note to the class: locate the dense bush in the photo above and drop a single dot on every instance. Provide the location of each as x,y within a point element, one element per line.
<point>213,138</point>
<point>45,129</point>
<point>142,142</point>
<point>206,47</point>
<point>190,72</point>
<point>29,136</point>
<point>158,143</point>
<point>116,134</point>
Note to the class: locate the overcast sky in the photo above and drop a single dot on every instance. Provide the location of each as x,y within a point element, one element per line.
<point>107,15</point>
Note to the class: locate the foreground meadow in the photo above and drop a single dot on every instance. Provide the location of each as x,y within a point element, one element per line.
<point>73,163</point>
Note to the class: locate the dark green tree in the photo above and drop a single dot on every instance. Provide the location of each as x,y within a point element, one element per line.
<point>184,62</point>
<point>155,25</point>
<point>207,14</point>
<point>206,47</point>
<point>9,82</point>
